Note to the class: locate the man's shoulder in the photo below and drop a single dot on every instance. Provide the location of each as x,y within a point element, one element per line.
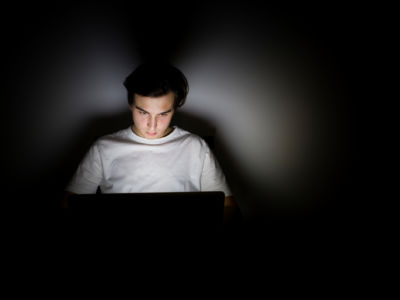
<point>117,136</point>
<point>185,133</point>
<point>191,137</point>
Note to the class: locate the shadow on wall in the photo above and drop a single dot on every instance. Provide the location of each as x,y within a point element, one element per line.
<point>252,199</point>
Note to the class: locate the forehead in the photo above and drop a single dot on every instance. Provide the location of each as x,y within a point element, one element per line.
<point>164,102</point>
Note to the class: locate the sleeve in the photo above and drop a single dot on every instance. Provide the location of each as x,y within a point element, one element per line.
<point>89,173</point>
<point>212,177</point>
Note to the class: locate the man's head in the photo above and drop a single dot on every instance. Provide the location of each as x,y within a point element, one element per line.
<point>154,92</point>
<point>157,79</point>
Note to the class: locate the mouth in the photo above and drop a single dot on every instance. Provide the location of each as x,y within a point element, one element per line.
<point>151,133</point>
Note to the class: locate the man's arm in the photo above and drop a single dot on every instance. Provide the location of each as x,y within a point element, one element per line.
<point>231,210</point>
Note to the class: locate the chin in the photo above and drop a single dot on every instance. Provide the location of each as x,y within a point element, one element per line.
<point>151,136</point>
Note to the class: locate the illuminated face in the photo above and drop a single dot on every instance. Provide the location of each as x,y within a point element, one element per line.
<point>152,116</point>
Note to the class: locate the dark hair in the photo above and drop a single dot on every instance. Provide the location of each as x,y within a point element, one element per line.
<point>157,79</point>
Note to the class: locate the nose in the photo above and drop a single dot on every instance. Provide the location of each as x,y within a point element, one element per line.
<point>152,123</point>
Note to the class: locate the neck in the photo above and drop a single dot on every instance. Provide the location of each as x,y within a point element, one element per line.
<point>166,132</point>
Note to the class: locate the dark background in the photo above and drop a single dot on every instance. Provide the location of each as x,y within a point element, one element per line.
<point>64,63</point>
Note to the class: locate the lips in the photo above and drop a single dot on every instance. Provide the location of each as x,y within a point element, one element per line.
<point>151,133</point>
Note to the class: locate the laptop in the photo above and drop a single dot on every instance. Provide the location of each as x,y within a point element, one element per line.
<point>178,211</point>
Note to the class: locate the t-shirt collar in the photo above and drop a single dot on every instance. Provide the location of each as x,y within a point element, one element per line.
<point>161,140</point>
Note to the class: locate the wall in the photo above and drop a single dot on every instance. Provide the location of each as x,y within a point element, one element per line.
<point>271,84</point>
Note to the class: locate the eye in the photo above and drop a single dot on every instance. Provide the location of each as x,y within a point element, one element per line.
<point>142,112</point>
<point>164,114</point>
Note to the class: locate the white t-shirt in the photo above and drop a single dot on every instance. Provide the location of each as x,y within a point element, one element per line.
<point>124,162</point>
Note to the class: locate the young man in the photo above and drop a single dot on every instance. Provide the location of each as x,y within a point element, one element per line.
<point>150,155</point>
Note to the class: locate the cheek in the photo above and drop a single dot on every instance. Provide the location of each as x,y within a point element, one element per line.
<point>165,121</point>
<point>139,119</point>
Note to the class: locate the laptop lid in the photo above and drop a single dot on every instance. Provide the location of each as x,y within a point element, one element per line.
<point>179,210</point>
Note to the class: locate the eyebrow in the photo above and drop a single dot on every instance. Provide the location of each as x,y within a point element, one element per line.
<point>139,108</point>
